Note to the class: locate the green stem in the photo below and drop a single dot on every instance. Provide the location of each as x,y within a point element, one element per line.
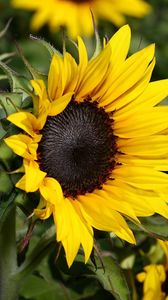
<point>8,256</point>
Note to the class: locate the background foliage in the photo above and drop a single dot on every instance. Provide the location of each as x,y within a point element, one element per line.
<point>111,272</point>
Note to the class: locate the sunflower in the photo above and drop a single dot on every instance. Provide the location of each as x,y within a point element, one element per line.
<point>75,14</point>
<point>96,143</point>
<point>154,277</point>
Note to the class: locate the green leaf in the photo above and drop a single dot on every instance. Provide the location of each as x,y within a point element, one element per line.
<point>37,254</point>
<point>74,287</point>
<point>26,204</point>
<point>37,288</point>
<point>5,152</point>
<point>112,278</point>
<point>5,182</point>
<point>2,132</point>
<point>5,202</point>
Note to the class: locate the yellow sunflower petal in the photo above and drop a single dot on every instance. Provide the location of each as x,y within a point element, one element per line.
<point>86,233</point>
<point>120,43</point>
<point>33,177</point>
<point>114,201</point>
<point>21,184</point>
<point>120,106</point>
<point>83,58</point>
<point>94,74</point>
<point>44,213</point>
<point>142,177</point>
<point>57,106</point>
<point>22,145</point>
<point>147,202</point>
<point>39,88</point>
<point>131,71</point>
<point>157,164</point>
<point>152,95</point>
<point>51,190</point>
<point>25,121</point>
<point>70,73</point>
<point>103,217</point>
<point>55,77</point>
<point>147,123</point>
<point>72,230</point>
<point>157,146</point>
<point>142,206</point>
<point>42,103</point>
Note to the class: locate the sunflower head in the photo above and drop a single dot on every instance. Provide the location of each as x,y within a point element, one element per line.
<point>93,142</point>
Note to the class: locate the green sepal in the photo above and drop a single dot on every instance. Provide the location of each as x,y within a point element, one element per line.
<point>35,74</point>
<point>10,103</point>
<point>51,50</point>
<point>98,47</point>
<point>18,84</point>
<point>3,77</point>
<point>6,55</point>
<point>3,31</point>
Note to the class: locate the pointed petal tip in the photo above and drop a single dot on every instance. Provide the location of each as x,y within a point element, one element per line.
<point>125,28</point>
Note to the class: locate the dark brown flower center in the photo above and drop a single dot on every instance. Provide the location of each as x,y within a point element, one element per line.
<point>78,147</point>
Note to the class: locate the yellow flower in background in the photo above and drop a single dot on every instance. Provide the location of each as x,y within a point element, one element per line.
<point>75,14</point>
<point>96,143</point>
<point>154,277</point>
